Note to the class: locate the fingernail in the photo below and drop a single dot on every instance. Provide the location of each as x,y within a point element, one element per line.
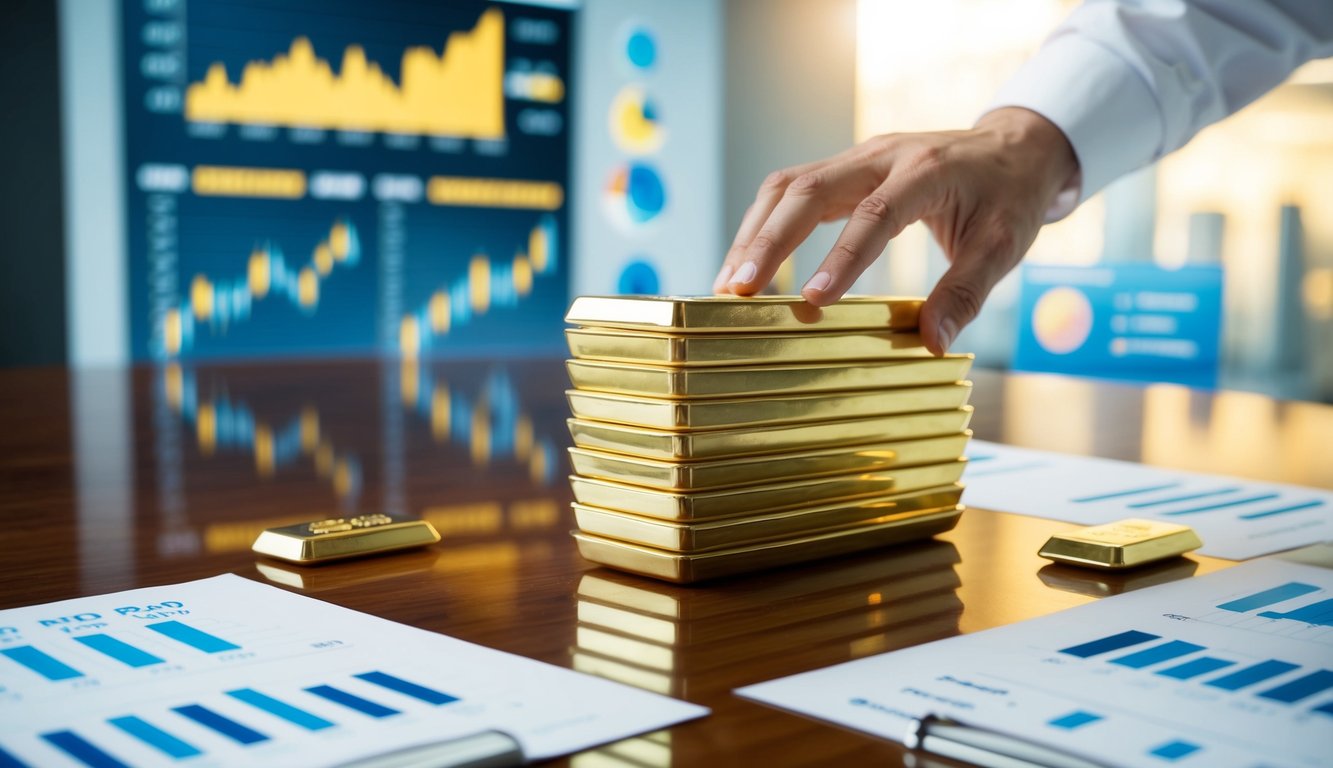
<point>947,330</point>
<point>722,276</point>
<point>817,283</point>
<point>745,274</point>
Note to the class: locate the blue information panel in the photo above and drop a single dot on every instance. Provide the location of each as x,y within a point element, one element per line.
<point>1128,321</point>
<point>339,177</point>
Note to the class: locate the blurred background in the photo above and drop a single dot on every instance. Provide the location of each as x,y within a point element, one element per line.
<point>193,180</point>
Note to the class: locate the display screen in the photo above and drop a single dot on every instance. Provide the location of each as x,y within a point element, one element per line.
<point>335,177</point>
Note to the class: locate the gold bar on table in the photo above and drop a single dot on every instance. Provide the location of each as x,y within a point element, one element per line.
<point>614,345</point>
<point>338,538</point>
<point>774,497</point>
<point>1122,544</point>
<point>744,381</point>
<point>755,411</point>
<point>719,443</point>
<point>753,470</point>
<point>701,566</point>
<point>697,536</point>
<point>733,314</point>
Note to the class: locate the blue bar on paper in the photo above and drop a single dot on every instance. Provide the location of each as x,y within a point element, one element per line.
<point>1251,675</point>
<point>281,709</point>
<point>1282,510</point>
<point>1187,497</point>
<point>1268,597</point>
<point>1319,614</point>
<point>1174,750</point>
<point>73,745</point>
<point>1222,505</point>
<point>46,666</point>
<point>428,695</point>
<point>184,633</point>
<point>122,652</point>
<point>9,761</point>
<point>1108,644</point>
<point>1195,668</point>
<point>1326,708</point>
<point>223,725</point>
<point>1076,719</point>
<point>1300,688</point>
<point>351,701</point>
<point>155,737</point>
<point>1157,654</point>
<point>1128,492</point>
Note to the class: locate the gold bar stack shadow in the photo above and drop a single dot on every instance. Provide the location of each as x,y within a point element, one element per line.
<point>718,435</point>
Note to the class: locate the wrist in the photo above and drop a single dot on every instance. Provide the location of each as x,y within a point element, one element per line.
<point>1036,143</point>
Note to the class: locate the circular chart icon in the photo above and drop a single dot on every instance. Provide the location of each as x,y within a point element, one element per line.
<point>1062,320</point>
<point>636,121</point>
<point>634,194</point>
<point>639,277</point>
<point>640,47</point>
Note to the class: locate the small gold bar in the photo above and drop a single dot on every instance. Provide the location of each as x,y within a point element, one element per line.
<point>619,346</point>
<point>749,381</point>
<point>692,567</point>
<point>734,314</point>
<point>673,415</point>
<point>720,443</point>
<point>339,538</point>
<point>1122,544</point>
<point>701,535</point>
<point>774,497</point>
<point>754,470</point>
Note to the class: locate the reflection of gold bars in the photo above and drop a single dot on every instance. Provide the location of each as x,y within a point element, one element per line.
<point>750,380</point>
<point>751,470</point>
<point>660,444</point>
<point>739,349</point>
<point>862,513</point>
<point>659,413</point>
<point>773,497</point>
<point>691,567</point>
<point>731,314</point>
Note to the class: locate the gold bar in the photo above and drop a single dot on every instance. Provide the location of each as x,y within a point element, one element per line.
<point>752,470</point>
<point>339,538</point>
<point>1122,544</point>
<point>692,567</point>
<point>719,443</point>
<point>733,314</point>
<point>679,383</point>
<point>775,497</point>
<point>755,411</point>
<point>754,528</point>
<point>619,346</point>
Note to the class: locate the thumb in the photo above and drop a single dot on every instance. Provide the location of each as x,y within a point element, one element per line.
<point>957,298</point>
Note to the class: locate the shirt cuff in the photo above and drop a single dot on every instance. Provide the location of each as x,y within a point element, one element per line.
<point>1100,103</point>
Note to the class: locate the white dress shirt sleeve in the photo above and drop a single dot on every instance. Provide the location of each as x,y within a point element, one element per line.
<point>1129,81</point>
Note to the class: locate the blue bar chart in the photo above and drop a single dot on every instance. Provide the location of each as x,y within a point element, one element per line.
<point>118,650</point>
<point>43,664</point>
<point>195,638</point>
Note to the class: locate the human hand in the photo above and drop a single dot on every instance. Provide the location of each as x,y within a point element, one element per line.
<point>983,193</point>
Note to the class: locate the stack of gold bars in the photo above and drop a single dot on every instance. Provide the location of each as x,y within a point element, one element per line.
<point>720,435</point>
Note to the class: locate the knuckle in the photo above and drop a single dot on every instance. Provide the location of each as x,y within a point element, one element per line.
<point>966,296</point>
<point>776,181</point>
<point>844,254</point>
<point>763,242</point>
<point>806,184</point>
<point>873,209</point>
<point>928,159</point>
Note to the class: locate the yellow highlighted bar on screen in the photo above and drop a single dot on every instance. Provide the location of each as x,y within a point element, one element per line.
<point>495,193</point>
<point>234,181</point>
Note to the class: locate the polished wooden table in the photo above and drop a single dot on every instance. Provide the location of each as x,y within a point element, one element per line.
<point>115,479</point>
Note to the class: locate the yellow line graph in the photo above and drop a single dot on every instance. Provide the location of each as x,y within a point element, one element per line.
<point>459,92</point>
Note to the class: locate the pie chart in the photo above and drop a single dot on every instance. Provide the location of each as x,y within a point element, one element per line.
<point>1062,320</point>
<point>634,194</point>
<point>635,121</point>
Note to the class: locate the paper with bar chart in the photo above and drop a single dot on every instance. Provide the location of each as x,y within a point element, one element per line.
<point>1237,519</point>
<point>226,671</point>
<point>1229,669</point>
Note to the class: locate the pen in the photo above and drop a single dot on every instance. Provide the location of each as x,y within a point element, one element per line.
<point>990,749</point>
<point>487,749</point>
